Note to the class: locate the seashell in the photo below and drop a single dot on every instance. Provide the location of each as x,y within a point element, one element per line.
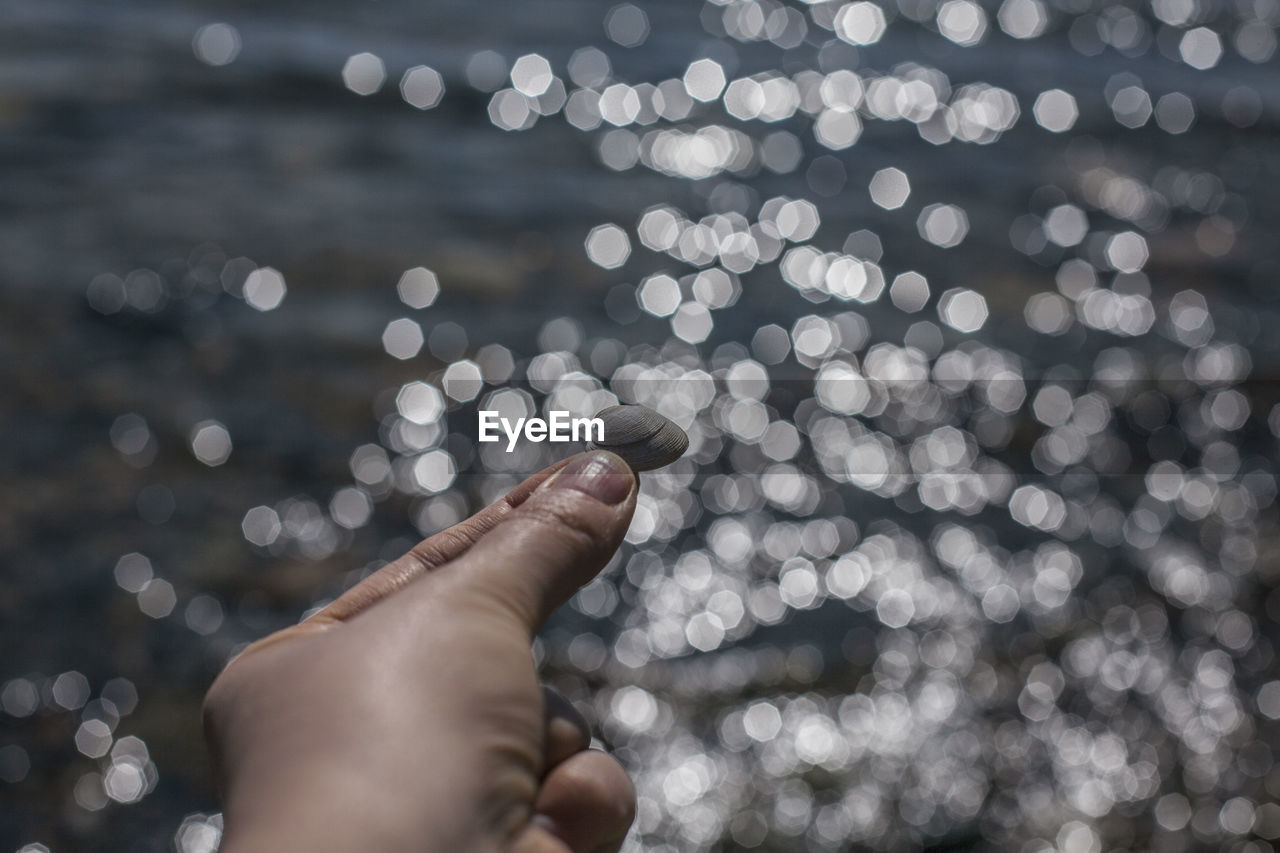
<point>642,437</point>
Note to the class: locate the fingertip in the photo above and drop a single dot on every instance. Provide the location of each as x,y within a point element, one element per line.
<point>558,539</point>
<point>599,474</point>
<point>588,801</point>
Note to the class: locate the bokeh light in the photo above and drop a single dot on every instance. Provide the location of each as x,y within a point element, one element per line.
<point>1056,110</point>
<point>608,246</point>
<point>890,188</point>
<point>216,44</point>
<point>422,87</point>
<point>364,73</point>
<point>264,289</point>
<point>402,338</point>
<point>627,25</point>
<point>211,443</point>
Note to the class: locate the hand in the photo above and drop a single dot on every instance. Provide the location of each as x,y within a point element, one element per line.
<point>407,715</point>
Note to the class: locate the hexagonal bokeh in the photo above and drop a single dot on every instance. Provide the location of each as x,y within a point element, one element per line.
<point>962,309</point>
<point>608,246</point>
<point>890,188</point>
<point>909,291</point>
<point>1066,225</point>
<point>1127,251</point>
<point>531,75</point>
<point>1175,112</point>
<point>944,225</point>
<point>797,220</point>
<point>962,21</point>
<point>1023,19</point>
<point>589,66</point>
<point>462,380</point>
<point>216,44</point>
<point>422,87</point>
<point>860,23</point>
<point>418,287</point>
<point>364,73</point>
<point>419,403</point>
<point>837,129</point>
<point>1055,110</point>
<point>704,80</point>
<point>210,442</point>
<point>626,24</point>
<point>402,338</point>
<point>1131,106</point>
<point>264,288</point>
<point>659,295</point>
<point>1201,48</point>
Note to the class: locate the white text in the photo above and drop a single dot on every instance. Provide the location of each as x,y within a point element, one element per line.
<point>559,427</point>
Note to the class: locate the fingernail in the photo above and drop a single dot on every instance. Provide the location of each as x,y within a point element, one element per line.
<point>602,475</point>
<point>546,823</point>
<point>561,710</point>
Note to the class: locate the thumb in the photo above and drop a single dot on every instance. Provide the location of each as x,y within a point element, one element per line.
<point>556,541</point>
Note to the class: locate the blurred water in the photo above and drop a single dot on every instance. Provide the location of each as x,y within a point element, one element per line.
<point>979,554</point>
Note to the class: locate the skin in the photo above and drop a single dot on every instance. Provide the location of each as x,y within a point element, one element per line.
<point>407,715</point>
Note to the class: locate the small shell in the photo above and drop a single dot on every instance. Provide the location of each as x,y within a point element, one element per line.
<point>642,437</point>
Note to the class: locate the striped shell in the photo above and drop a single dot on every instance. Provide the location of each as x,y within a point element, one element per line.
<point>642,437</point>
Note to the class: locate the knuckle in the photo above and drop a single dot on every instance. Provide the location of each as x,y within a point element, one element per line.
<point>431,553</point>
<point>568,525</point>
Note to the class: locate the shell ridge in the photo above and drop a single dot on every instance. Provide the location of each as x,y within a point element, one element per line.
<point>643,438</point>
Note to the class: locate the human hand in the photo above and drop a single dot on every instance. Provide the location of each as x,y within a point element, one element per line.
<point>407,715</point>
